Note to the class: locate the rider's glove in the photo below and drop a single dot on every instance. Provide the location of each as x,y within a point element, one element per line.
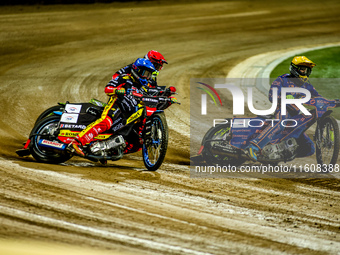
<point>290,97</point>
<point>120,91</point>
<point>173,100</point>
<point>111,90</point>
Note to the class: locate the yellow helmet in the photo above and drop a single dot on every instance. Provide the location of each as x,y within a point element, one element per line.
<point>301,67</point>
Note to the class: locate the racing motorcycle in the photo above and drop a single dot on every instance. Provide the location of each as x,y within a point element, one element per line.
<point>145,130</point>
<point>225,143</point>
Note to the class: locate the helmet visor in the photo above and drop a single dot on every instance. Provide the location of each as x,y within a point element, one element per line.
<point>146,74</point>
<point>157,65</point>
<point>304,70</point>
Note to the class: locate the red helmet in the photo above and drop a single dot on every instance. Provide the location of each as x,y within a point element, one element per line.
<point>156,59</point>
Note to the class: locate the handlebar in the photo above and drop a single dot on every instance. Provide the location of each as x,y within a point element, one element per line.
<point>170,91</point>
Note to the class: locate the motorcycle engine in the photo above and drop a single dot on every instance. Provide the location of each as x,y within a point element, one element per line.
<point>285,150</point>
<point>102,148</point>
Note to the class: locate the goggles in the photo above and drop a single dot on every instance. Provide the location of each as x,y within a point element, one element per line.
<point>146,74</point>
<point>157,66</point>
<point>304,70</point>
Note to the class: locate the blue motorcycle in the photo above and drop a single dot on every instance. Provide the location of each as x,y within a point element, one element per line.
<point>225,143</point>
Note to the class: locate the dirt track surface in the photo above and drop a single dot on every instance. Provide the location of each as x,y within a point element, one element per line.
<point>56,53</point>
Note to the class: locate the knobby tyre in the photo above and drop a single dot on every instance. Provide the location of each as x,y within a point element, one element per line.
<point>155,145</point>
<point>327,143</point>
<point>49,112</point>
<point>46,129</point>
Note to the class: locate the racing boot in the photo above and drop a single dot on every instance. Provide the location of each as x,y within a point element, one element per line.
<point>88,134</point>
<point>76,147</point>
<point>252,151</point>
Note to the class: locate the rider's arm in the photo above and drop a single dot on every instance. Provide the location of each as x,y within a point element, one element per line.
<point>152,83</point>
<point>115,86</point>
<point>313,91</point>
<point>276,84</point>
<point>124,70</point>
<point>110,90</point>
<point>279,83</point>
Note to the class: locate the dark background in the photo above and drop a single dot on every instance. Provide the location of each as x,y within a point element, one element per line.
<point>48,2</point>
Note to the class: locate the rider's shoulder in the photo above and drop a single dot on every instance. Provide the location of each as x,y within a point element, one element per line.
<point>285,76</point>
<point>280,80</point>
<point>287,79</point>
<point>123,77</point>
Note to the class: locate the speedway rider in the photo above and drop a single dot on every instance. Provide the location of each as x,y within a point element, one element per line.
<point>156,59</point>
<point>300,69</point>
<point>122,87</point>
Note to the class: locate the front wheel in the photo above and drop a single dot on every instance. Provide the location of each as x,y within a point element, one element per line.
<point>327,143</point>
<point>46,129</point>
<point>156,142</point>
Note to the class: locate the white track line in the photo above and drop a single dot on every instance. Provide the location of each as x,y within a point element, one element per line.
<point>96,232</point>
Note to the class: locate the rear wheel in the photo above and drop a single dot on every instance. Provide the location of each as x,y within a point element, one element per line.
<point>155,143</point>
<point>327,143</point>
<point>49,112</point>
<point>47,129</point>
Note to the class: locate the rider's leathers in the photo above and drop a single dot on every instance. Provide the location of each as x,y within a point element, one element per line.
<point>303,121</point>
<point>115,112</point>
